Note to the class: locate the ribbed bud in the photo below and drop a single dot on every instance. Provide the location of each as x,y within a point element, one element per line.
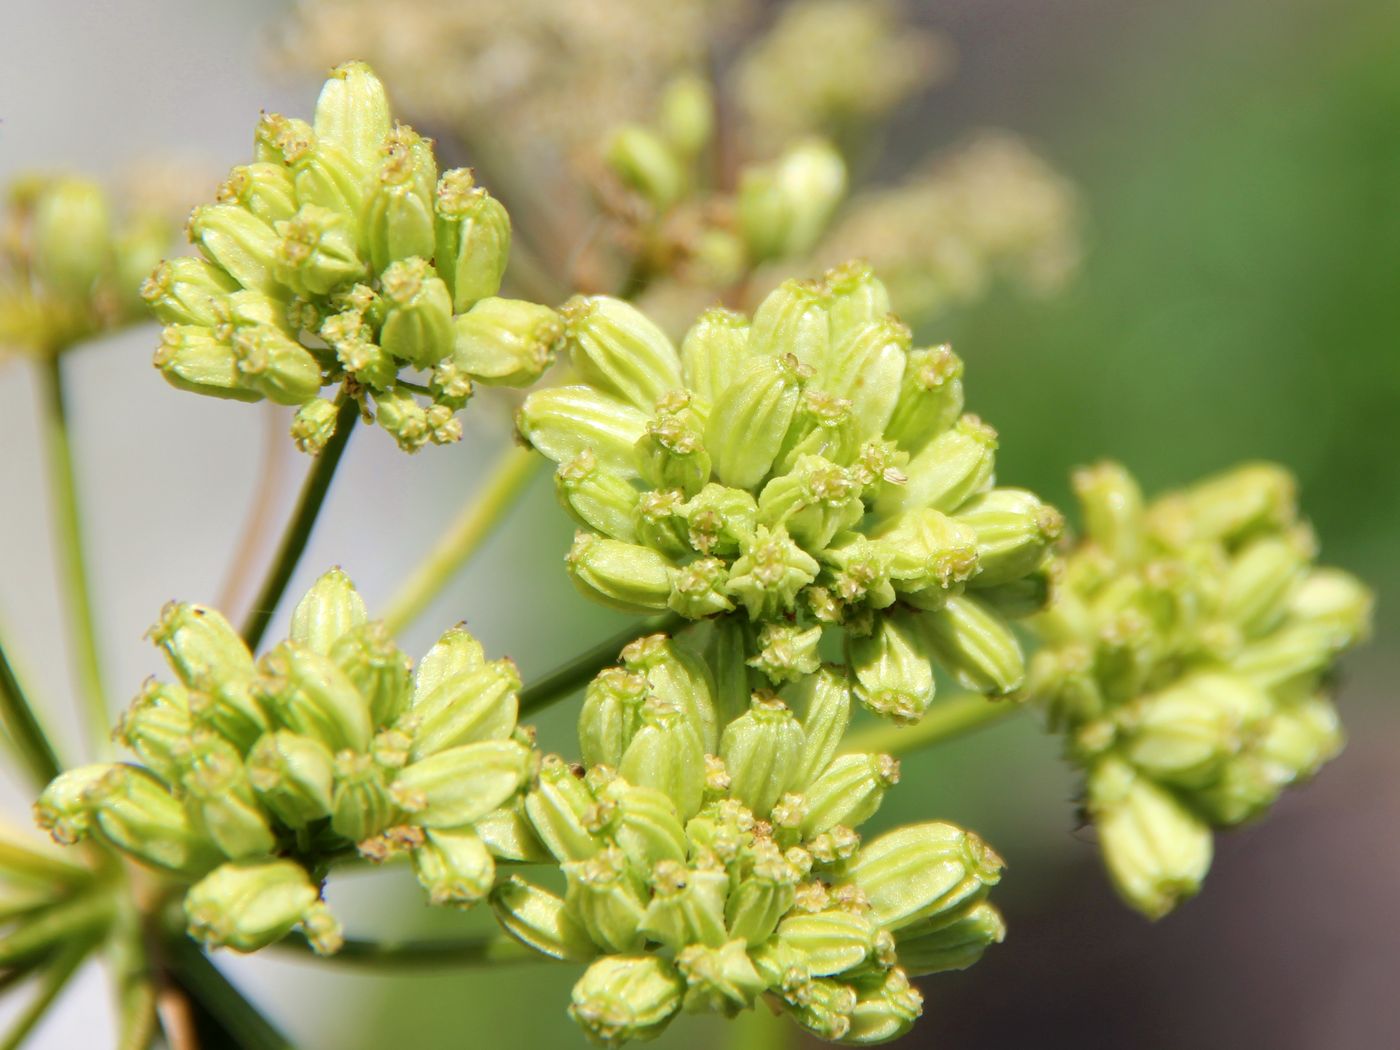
<point>923,871</point>
<point>941,945</point>
<point>848,792</point>
<point>220,800</point>
<point>379,669</point>
<point>603,896</point>
<point>1336,600</point>
<point>563,422</point>
<point>686,906</point>
<point>760,751</point>
<point>699,590</point>
<point>182,291</point>
<point>620,998</point>
<point>930,398</point>
<point>597,498</point>
<point>454,867</point>
<point>618,350</point>
<point>137,814</point>
<point>784,207</point>
<point>1262,579</point>
<point>1182,734</point>
<point>398,219</point>
<point>886,1008</point>
<point>647,828</point>
<point>72,236</point>
<point>314,425</point>
<point>328,610</point>
<point>718,980</point>
<point>565,815</point>
<point>327,178</point>
<point>156,727</point>
<point>646,163</point>
<point>828,942</point>
<point>893,666</point>
<point>671,454</point>
<point>456,786</point>
<point>206,652</point>
<point>417,326</point>
<point>249,906</point>
<point>475,705</point>
<point>793,319</point>
<point>713,353</point>
<point>276,365</point>
<point>820,1005</point>
<point>64,807</point>
<point>928,555</point>
<point>1156,851</point>
<point>539,920</point>
<point>770,573</point>
<point>403,417</point>
<point>666,753</point>
<point>976,645</point>
<point>292,775</point>
<point>610,716</point>
<point>361,806</point>
<point>505,342</point>
<point>625,576</point>
<point>1233,504</point>
<point>763,896</point>
<point>1014,530</point>
<point>814,501</point>
<point>1111,503</point>
<point>353,112</point>
<point>750,419</point>
<point>311,695</point>
<point>787,653</point>
<point>867,368</point>
<point>316,251</point>
<point>263,188</point>
<point>473,238</point>
<point>193,358</point>
<point>822,701</point>
<point>954,467</point>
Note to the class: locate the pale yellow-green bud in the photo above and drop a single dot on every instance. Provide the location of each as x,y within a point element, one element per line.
<point>182,291</point>
<point>787,653</point>
<point>328,610</point>
<point>610,716</point>
<point>398,219</point>
<point>770,573</point>
<point>814,501</point>
<point>828,942</point>
<point>621,997</point>
<point>479,704</point>
<point>1014,530</point>
<point>941,945</point>
<point>848,792</point>
<point>976,645</point>
<point>866,368</point>
<point>505,342</point>
<point>761,750</point>
<point>1111,502</point>
<point>666,753</point>
<point>676,676</point>
<point>316,252</point>
<point>237,240</point>
<point>136,813</point>
<point>72,236</point>
<point>929,555</point>
<point>646,163</point>
<point>699,589</point>
<point>454,867</point>
<point>539,920</point>
<point>930,397</point>
<point>718,980</point>
<point>620,351</point>
<point>886,1008</point>
<point>713,352</point>
<point>193,358</point>
<point>794,319</point>
<point>564,422</point>
<point>156,727</point>
<point>1335,599</point>
<point>671,454</point>
<point>1156,851</point>
<point>893,666</point>
<point>721,520</point>
<point>647,829</point>
<point>403,417</point>
<point>264,188</point>
<point>597,498</point>
<point>64,808</point>
<point>418,326</point>
<point>784,207</point>
<point>220,800</point>
<point>565,815</point>
<point>1261,581</point>
<point>310,694</point>
<point>326,177</point>
<point>314,425</point>
<point>951,469</point>
<point>605,898</point>
<point>377,667</point>
<point>292,775</point>
<point>249,906</point>
<point>822,701</point>
<point>1182,734</point>
<point>750,419</point>
<point>353,112</point>
<point>361,806</point>
<point>473,238</point>
<point>276,365</point>
<point>206,652</point>
<point>763,896</point>
<point>1231,505</point>
<point>819,1004</point>
<point>625,576</point>
<point>456,786</point>
<point>687,113</point>
<point>923,871</point>
<point>686,906</point>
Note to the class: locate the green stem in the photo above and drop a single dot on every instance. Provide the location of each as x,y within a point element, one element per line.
<point>481,514</point>
<point>55,979</point>
<point>23,726</point>
<point>241,1024</point>
<point>492,950</point>
<point>68,518</point>
<point>70,920</point>
<point>943,721</point>
<point>565,680</point>
<point>313,494</point>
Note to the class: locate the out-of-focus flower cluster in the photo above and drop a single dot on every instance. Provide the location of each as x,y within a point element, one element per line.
<point>340,257</point>
<point>805,468</point>
<point>71,262</point>
<point>711,859</point>
<point>254,776</point>
<point>1186,661</point>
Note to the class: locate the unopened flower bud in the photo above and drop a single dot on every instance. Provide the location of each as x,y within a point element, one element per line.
<point>316,252</point>
<point>454,867</point>
<point>794,319</point>
<point>1335,599</point>
<point>251,905</point>
<point>378,668</point>
<point>787,653</point>
<point>353,112</point>
<point>193,358</point>
<point>1014,530</point>
<point>822,701</point>
<point>1261,581</point>
<point>206,652</point>
<point>975,645</point>
<point>675,675</point>
<point>666,753</point>
<point>1111,502</point>
<point>951,469</point>
<point>770,573</point>
<point>313,696</point>
<point>597,498</point>
<point>567,817</point>
<point>604,897</point>
<point>182,291</point>
<point>156,727</point>
<point>848,792</point>
<point>886,1008</point>
<point>647,163</point>
<point>314,425</point>
<point>719,980</point>
<point>828,942</point>
<point>760,751</point>
<point>623,997</point>
<point>922,871</point>
<point>361,805</point>
<point>539,920</point>
<point>626,576</point>
<point>686,906</point>
<point>893,666</point>
<point>328,610</point>
<point>647,830</point>
<point>292,775</point>
<point>64,808</point>
<point>398,220</point>
<point>865,368</point>
<point>750,420</point>
<point>418,322</point>
<point>220,800</point>
<point>713,353</point>
<point>1232,504</point>
<point>241,243</point>
<point>473,238</point>
<point>928,554</point>
<point>475,705</point>
<point>930,398</point>
<point>456,786</point>
<point>72,235</point>
<point>276,365</point>
<point>137,813</point>
<point>505,342</point>
<point>620,351</point>
<point>784,207</point>
<point>564,422</point>
<point>403,417</point>
<point>941,945</point>
<point>1182,734</point>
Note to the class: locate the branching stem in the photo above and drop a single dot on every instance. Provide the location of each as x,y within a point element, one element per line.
<point>563,681</point>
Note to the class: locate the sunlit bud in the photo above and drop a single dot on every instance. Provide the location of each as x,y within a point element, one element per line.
<point>927,554</point>
<point>379,669</point>
<point>930,397</point>
<point>328,179</point>
<point>848,792</point>
<point>646,163</point>
<point>539,920</point>
<point>660,524</point>
<point>314,425</point>
<point>814,502</point>
<point>610,716</point>
<point>156,727</point>
<point>292,776</point>
<point>760,751</point>
<point>563,422</point>
<point>313,696</point>
<point>942,945</point>
<point>770,573</point>
<point>976,645</point>
<point>893,666</point>
<point>509,835</point>
<point>603,896</point>
<point>666,753</point>
<point>193,358</point>
<point>361,806</point>
<point>923,871</point>
<point>678,677</point>
<point>418,326</point>
<point>857,298</point>
<point>280,140</point>
<point>725,653</point>
<point>353,112</point>
<point>219,799</point>
<point>828,942</point>
<point>787,653</point>
<point>625,576</point>
<point>1156,851</point>
<point>721,519</point>
<point>822,701</point>
<point>249,906</point>
<point>763,896</point>
<point>886,1008</point>
<point>713,353</point>
<point>72,235</point>
<point>951,469</point>
<point>566,816</point>
<point>699,590</point>
<point>328,610</point>
<point>240,242</point>
<point>315,252</point>
<point>64,808</point>
<point>505,342</point>
<point>620,998</point>
<point>718,980</point>
<point>687,114</point>
<point>1299,738</point>
<point>136,813</point>
<point>620,351</point>
<point>473,238</point>
<point>264,188</point>
<point>1014,529</point>
<point>1261,580</point>
<point>454,867</point>
<point>206,652</point>
<point>182,291</point>
<point>403,417</point>
<point>794,319</point>
<point>398,220</point>
<point>686,906</point>
<point>823,426</point>
<point>819,1004</point>
<point>750,419</point>
<point>647,828</point>
<point>671,454</point>
<point>1183,733</point>
<point>456,786</point>
<point>276,365</point>
<point>785,206</point>
<point>480,704</point>
<point>866,368</point>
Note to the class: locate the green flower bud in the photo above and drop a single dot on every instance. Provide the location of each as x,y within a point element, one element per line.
<point>455,653</point>
<point>505,342</point>
<point>857,298</point>
<point>398,219</point>
<point>822,701</point>
<point>263,188</point>
<point>721,520</point>
<point>1111,503</point>
<point>220,801</point>
<point>787,653</point>
<point>624,576</point>
<point>867,368</point>
<point>976,645</point>
<point>418,325</point>
<point>886,1008</point>
<point>508,835</point>
<point>456,786</point>
<point>770,573</point>
<point>361,804</point>
<point>676,676</point>
<point>828,942</point>
<point>564,422</point>
<point>193,358</point>
<point>784,207</point>
<point>1334,599</point>
<point>206,652</point>
<point>848,792</point>
<point>316,252</point>
<point>138,815</point>
<point>626,997</point>
<point>893,666</point>
<point>1290,662</point>
<point>928,554</point>
<point>328,610</point>
<point>941,945</point>
<point>951,469</point>
<point>1261,581</point>
<point>602,895</point>
<point>794,319</point>
<point>763,896</point>
<point>1014,530</point>
<point>750,419</point>
<point>399,414</point>
<point>646,163</point>
<point>687,114</point>
<point>64,808</point>
<point>241,243</point>
<point>1182,734</point>
<point>182,291</point>
<point>823,426</point>
<point>292,775</point>
<point>761,750</point>
<point>157,726</point>
<point>930,398</point>
<point>666,753</point>
<point>648,830</point>
<point>671,454</point>
<point>713,353</point>
<point>539,920</point>
<point>281,140</point>
<point>312,696</point>
<point>814,502</point>
<point>249,906</point>
<point>275,365</point>
<point>379,670</point>
<point>353,112</point>
<point>475,705</point>
<point>327,177</point>
<point>454,867</point>
<point>72,236</point>
<point>473,238</point>
<point>1156,851</point>
<point>820,1005</point>
<point>1233,504</point>
<point>610,716</point>
<point>718,980</point>
<point>564,813</point>
<point>597,498</point>
<point>618,350</point>
<point>923,871</point>
<point>698,589</point>
<point>660,522</point>
<point>314,425</point>
<point>686,906</point>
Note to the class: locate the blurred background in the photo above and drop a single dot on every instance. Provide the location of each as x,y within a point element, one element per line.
<point>1236,168</point>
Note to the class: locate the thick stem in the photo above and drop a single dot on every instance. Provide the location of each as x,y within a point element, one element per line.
<point>23,727</point>
<point>482,513</point>
<point>943,721</point>
<point>491,950</point>
<point>565,680</point>
<point>313,494</point>
<point>68,519</point>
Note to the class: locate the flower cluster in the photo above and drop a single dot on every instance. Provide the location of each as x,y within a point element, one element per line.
<point>1185,660</point>
<point>68,266</point>
<point>709,862</point>
<point>808,468</point>
<point>339,256</point>
<point>254,776</point>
